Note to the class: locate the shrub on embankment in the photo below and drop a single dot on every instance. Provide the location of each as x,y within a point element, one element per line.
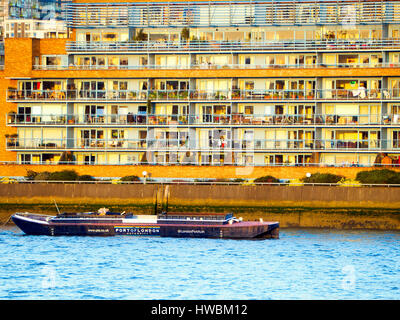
<point>67,175</point>
<point>85,177</point>
<point>378,176</point>
<point>130,178</point>
<point>64,175</point>
<point>267,179</point>
<point>322,178</point>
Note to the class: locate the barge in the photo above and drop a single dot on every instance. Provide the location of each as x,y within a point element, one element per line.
<point>183,225</point>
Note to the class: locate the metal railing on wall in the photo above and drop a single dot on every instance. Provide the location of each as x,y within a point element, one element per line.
<point>242,119</point>
<point>288,164</point>
<point>211,182</point>
<point>232,46</point>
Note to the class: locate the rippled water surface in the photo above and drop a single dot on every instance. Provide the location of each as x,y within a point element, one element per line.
<point>303,264</point>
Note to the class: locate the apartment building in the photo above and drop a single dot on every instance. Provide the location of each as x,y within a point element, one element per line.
<point>33,19</point>
<point>254,83</point>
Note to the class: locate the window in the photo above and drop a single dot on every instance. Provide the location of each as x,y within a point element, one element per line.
<point>25,158</point>
<point>110,37</point>
<point>117,134</point>
<point>280,59</point>
<point>113,61</point>
<point>24,114</point>
<point>247,85</point>
<point>53,60</point>
<point>248,109</point>
<point>347,59</point>
<point>89,159</point>
<point>123,62</point>
<point>247,60</point>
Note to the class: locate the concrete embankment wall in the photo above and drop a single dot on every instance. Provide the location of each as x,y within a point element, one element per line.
<point>260,195</point>
<point>300,206</point>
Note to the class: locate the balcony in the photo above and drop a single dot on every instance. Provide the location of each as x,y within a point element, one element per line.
<point>96,144</point>
<point>73,67</point>
<point>232,46</point>
<point>217,14</point>
<point>237,119</point>
<point>202,95</point>
<point>76,95</point>
<point>213,144</point>
<point>35,144</point>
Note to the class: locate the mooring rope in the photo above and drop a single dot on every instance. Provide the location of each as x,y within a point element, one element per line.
<point>9,218</point>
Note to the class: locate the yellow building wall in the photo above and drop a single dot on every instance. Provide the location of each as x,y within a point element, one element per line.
<point>222,172</point>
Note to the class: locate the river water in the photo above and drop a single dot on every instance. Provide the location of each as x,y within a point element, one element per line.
<point>302,264</point>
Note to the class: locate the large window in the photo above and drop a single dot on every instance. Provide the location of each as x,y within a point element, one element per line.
<point>54,61</point>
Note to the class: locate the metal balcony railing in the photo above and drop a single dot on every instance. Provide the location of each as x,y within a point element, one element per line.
<point>77,95</point>
<point>229,14</point>
<point>236,160</point>
<point>212,144</point>
<point>203,119</point>
<point>233,46</point>
<point>202,95</point>
<point>96,144</point>
<point>211,66</point>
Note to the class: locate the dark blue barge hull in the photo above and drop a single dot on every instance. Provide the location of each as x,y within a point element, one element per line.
<point>33,224</point>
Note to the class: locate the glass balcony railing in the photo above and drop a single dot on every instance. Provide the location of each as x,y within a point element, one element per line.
<point>94,143</point>
<point>211,144</point>
<point>211,66</point>
<point>289,144</point>
<point>202,95</point>
<point>232,46</point>
<point>143,119</point>
<point>37,144</point>
<point>79,95</point>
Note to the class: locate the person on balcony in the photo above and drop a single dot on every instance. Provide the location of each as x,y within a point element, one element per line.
<point>360,92</point>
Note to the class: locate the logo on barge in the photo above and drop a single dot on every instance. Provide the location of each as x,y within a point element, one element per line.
<point>137,230</point>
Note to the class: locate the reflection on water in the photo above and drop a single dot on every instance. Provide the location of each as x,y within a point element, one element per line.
<point>302,264</point>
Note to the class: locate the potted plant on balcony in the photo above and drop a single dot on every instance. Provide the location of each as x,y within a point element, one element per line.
<point>12,140</point>
<point>12,117</point>
<point>149,106</point>
<point>141,36</point>
<point>235,94</point>
<point>152,95</point>
<point>71,119</point>
<point>194,40</point>
<point>183,95</point>
<point>185,34</point>
<point>172,95</point>
<point>132,95</point>
<point>276,96</point>
<point>267,96</point>
<point>12,92</point>
<point>162,95</point>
